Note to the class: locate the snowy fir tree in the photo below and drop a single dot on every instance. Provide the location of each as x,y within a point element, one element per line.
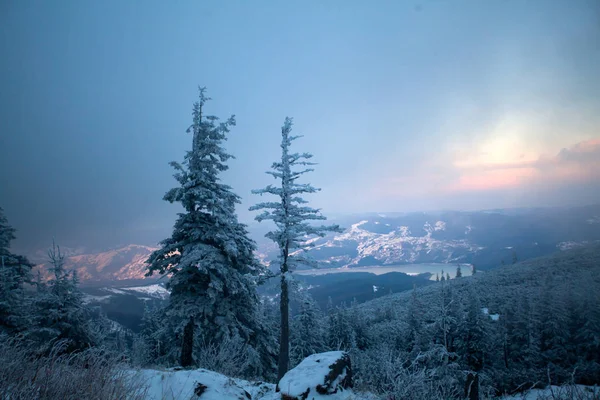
<point>292,219</point>
<point>15,272</point>
<point>415,335</point>
<point>473,332</point>
<point>308,333</point>
<point>209,257</point>
<point>60,313</point>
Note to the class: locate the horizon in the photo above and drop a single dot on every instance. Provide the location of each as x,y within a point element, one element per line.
<point>423,106</point>
<point>257,229</point>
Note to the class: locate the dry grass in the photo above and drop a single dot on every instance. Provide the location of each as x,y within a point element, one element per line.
<point>92,375</point>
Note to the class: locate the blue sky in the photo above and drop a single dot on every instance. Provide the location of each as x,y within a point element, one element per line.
<point>406,105</point>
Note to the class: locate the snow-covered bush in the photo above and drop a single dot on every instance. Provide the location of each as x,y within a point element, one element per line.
<point>384,372</point>
<point>231,357</point>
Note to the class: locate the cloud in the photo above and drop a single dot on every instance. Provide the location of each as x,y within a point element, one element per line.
<point>570,176</point>
<point>578,163</point>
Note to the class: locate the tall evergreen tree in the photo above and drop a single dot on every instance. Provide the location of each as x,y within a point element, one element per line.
<point>209,256</point>
<point>15,271</point>
<point>415,339</point>
<point>553,325</point>
<point>474,334</point>
<point>291,217</point>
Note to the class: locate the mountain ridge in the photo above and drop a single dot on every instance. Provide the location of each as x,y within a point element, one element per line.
<point>484,238</point>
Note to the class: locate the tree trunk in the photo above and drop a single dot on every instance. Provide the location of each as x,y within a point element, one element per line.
<point>472,387</point>
<point>187,346</point>
<point>284,340</point>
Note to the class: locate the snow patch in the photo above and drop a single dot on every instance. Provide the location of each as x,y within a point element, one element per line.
<point>440,226</point>
<point>310,373</point>
<point>554,392</point>
<point>594,220</point>
<point>184,384</point>
<point>88,298</point>
<point>570,245</point>
<point>154,290</point>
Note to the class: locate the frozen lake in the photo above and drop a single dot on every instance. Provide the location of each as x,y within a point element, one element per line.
<point>409,269</point>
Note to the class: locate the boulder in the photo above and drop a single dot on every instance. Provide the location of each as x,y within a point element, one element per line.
<point>323,375</point>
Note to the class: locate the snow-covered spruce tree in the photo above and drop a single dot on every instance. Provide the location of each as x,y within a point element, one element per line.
<point>15,271</point>
<point>308,332</point>
<point>473,329</point>
<point>60,313</point>
<point>292,218</point>
<point>209,256</point>
<point>415,340</point>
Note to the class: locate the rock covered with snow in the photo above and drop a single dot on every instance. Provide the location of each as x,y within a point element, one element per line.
<point>320,376</point>
<point>201,384</point>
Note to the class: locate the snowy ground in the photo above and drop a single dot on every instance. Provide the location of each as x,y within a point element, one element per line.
<point>169,384</point>
<point>558,393</point>
<point>182,385</point>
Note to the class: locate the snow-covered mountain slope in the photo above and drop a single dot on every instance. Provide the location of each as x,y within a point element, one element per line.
<point>125,263</point>
<point>484,238</point>
<point>393,245</point>
<point>124,303</point>
<point>148,292</point>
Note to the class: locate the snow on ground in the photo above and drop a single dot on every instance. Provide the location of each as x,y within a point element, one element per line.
<point>88,298</point>
<point>184,384</point>
<point>594,220</point>
<point>558,392</point>
<point>310,373</point>
<point>493,317</point>
<point>170,384</point>
<point>115,291</point>
<point>154,290</point>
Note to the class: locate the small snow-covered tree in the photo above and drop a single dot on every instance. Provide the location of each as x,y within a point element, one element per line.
<point>60,311</point>
<point>209,256</point>
<point>415,335</point>
<point>458,271</point>
<point>15,271</point>
<point>292,218</point>
<point>308,331</point>
<point>473,345</point>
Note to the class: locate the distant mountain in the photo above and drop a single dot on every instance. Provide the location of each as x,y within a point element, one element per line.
<point>485,238</point>
<point>123,303</point>
<point>125,263</point>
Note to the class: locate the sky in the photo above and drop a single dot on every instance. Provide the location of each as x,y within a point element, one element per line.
<point>406,105</point>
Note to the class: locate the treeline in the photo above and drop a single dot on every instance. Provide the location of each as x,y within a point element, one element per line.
<point>522,326</point>
<point>44,313</point>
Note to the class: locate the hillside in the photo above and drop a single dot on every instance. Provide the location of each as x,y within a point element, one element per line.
<point>484,238</point>
<point>517,326</point>
<point>126,263</point>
